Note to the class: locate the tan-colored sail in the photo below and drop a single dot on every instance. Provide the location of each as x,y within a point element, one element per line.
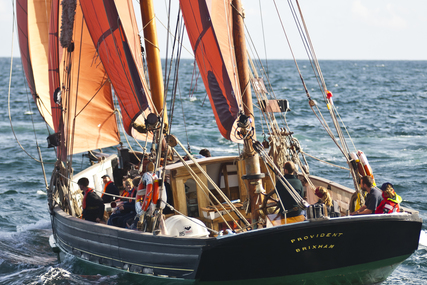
<point>33,23</point>
<point>89,119</point>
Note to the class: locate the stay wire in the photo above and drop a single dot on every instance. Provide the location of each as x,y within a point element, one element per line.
<point>261,66</point>
<point>263,36</point>
<point>176,39</point>
<point>334,113</point>
<point>304,85</point>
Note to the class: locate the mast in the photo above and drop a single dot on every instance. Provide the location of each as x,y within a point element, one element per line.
<point>253,170</point>
<point>153,55</point>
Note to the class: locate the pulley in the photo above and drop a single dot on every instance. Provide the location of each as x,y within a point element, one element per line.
<point>152,121</point>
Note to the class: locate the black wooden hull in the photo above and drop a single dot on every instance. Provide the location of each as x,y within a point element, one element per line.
<point>359,249</point>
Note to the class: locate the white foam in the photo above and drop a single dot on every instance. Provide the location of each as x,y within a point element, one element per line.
<point>42,224</point>
<point>6,235</point>
<point>423,238</point>
<point>54,274</point>
<point>41,192</point>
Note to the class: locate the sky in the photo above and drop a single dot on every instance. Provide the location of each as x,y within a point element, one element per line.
<point>339,29</point>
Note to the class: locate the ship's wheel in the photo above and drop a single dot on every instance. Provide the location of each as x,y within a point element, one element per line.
<point>269,204</point>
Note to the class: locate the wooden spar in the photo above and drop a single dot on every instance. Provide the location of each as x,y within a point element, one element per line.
<point>242,59</point>
<point>253,171</point>
<point>153,55</point>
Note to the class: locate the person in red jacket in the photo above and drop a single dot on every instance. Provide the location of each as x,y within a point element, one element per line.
<point>390,202</point>
<point>93,206</point>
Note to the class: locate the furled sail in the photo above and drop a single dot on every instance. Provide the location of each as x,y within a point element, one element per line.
<point>33,22</point>
<point>208,25</point>
<point>114,32</point>
<point>87,105</point>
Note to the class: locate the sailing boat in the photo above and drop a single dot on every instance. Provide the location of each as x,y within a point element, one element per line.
<point>211,236</point>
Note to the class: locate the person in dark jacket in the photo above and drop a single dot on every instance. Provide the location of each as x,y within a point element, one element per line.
<point>288,201</point>
<point>109,188</point>
<point>93,206</point>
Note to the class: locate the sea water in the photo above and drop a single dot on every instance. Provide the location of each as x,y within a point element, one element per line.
<point>382,104</point>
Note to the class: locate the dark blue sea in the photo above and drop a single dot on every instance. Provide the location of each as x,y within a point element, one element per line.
<point>383,105</point>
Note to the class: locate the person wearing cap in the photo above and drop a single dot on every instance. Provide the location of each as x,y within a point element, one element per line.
<point>109,188</point>
<point>390,202</point>
<point>93,207</point>
<point>373,199</point>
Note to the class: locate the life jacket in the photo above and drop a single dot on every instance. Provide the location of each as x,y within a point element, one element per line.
<point>389,205</point>
<point>133,192</point>
<point>105,187</point>
<point>129,194</point>
<point>359,200</point>
<point>84,198</point>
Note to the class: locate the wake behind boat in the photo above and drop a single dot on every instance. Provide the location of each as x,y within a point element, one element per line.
<point>226,223</point>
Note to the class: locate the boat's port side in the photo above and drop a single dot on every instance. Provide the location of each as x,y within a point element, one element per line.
<point>128,250</point>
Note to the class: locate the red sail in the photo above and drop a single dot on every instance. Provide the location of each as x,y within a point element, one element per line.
<point>33,18</point>
<point>54,58</point>
<point>119,56</point>
<point>208,25</point>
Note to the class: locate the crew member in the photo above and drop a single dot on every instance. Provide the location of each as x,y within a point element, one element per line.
<point>390,202</point>
<point>93,206</point>
<point>109,188</point>
<point>288,201</point>
<point>373,199</point>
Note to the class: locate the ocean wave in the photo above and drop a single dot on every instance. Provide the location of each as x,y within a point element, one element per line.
<point>42,224</point>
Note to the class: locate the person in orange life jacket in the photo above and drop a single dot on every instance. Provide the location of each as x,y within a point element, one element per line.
<point>390,202</point>
<point>373,199</point>
<point>125,209</point>
<point>109,188</point>
<point>93,206</point>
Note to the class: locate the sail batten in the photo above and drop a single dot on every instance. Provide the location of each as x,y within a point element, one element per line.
<point>210,36</point>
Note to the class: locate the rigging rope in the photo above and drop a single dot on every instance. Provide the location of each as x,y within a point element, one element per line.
<point>342,145</point>
<point>263,35</point>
